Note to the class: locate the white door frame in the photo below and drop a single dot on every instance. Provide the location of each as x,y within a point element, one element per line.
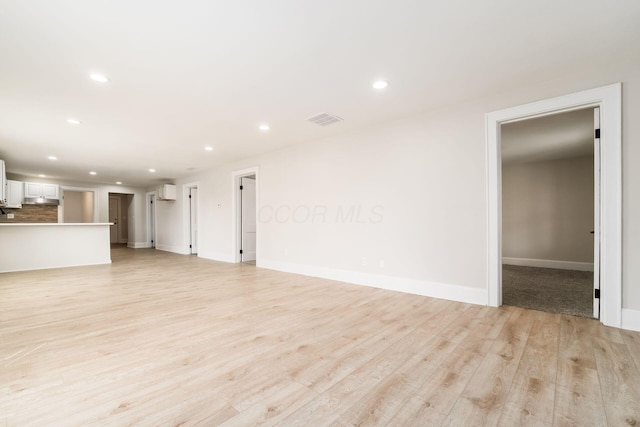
<point>236,237</point>
<point>193,220</point>
<point>186,214</point>
<point>151,225</point>
<point>596,211</point>
<point>609,99</point>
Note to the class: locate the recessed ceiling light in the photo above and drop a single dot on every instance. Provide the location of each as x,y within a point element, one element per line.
<point>152,170</point>
<point>208,148</point>
<point>380,84</point>
<point>99,78</point>
<point>118,182</point>
<point>73,121</point>
<point>42,175</point>
<point>93,173</point>
<point>264,127</point>
<point>52,158</point>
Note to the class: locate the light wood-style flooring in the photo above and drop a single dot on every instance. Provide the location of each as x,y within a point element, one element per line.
<point>158,339</point>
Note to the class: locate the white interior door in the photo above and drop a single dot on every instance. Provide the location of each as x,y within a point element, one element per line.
<point>248,210</point>
<point>193,199</point>
<point>596,214</point>
<point>114,209</point>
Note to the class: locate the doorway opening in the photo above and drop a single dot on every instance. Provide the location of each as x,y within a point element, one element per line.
<point>245,190</point>
<point>609,100</point>
<point>550,247</point>
<point>119,206</point>
<point>78,205</point>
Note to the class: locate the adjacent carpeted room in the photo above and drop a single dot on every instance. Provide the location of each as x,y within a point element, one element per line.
<point>548,289</point>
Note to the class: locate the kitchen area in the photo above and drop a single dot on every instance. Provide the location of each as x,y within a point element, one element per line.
<point>34,234</point>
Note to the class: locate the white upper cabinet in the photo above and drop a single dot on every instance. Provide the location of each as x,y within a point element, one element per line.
<point>14,194</point>
<point>50,191</point>
<point>31,189</point>
<point>35,189</point>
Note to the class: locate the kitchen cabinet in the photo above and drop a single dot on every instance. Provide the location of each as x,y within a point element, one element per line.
<point>35,190</point>
<point>14,194</point>
<point>3,184</point>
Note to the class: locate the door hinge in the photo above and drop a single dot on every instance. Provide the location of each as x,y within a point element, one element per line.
<point>151,202</point>
<point>189,246</point>
<point>597,133</point>
<point>152,241</point>
<point>596,293</point>
<point>240,251</point>
<point>189,195</point>
<point>241,187</point>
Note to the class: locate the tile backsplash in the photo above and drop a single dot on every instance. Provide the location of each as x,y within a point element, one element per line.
<point>31,214</point>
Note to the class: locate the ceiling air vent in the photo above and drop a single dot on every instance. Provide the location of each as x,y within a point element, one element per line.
<point>324,119</point>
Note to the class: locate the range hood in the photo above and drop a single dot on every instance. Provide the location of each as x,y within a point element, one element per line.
<point>40,201</point>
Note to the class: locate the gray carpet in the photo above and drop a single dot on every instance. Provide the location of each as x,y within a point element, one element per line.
<point>548,289</point>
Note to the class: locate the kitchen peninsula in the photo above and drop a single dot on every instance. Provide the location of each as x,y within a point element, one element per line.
<point>35,246</point>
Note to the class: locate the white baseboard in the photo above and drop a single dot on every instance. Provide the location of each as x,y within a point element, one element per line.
<point>411,286</point>
<point>548,263</point>
<point>217,256</point>
<point>56,266</point>
<point>138,245</point>
<point>174,249</point>
<point>630,319</point>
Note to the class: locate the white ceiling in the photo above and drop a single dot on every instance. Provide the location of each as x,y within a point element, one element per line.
<point>556,136</point>
<point>186,74</point>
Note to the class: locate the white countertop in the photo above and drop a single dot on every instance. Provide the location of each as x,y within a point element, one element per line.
<point>50,224</point>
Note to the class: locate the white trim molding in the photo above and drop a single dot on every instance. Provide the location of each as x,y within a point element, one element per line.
<point>217,256</point>
<point>549,263</point>
<point>174,249</point>
<point>138,245</point>
<point>631,319</point>
<point>609,99</point>
<point>399,284</point>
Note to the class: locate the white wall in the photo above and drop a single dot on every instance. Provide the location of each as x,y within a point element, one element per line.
<point>547,210</point>
<point>428,174</point>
